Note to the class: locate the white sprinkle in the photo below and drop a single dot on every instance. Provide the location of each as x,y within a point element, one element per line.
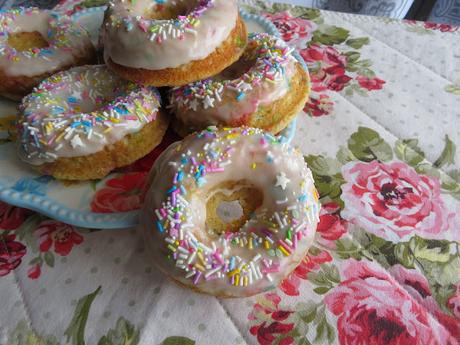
<point>269,277</point>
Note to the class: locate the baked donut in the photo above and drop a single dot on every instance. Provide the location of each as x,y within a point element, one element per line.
<point>82,123</point>
<point>266,88</point>
<point>171,42</point>
<point>229,212</point>
<point>35,44</point>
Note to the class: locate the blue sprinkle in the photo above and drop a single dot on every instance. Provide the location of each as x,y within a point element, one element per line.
<point>172,189</point>
<point>121,110</point>
<point>201,181</point>
<point>184,160</point>
<point>160,226</point>
<point>72,100</point>
<point>180,176</point>
<point>303,198</point>
<point>240,96</point>
<point>183,190</point>
<point>75,124</point>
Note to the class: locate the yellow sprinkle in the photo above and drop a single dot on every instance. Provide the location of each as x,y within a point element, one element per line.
<point>250,243</point>
<point>253,165</point>
<point>315,194</point>
<point>200,256</point>
<point>283,250</point>
<point>232,136</point>
<point>237,280</point>
<point>172,248</point>
<point>266,244</point>
<point>107,130</point>
<point>60,136</point>
<point>232,273</point>
<point>245,280</point>
<point>114,120</point>
<point>199,267</point>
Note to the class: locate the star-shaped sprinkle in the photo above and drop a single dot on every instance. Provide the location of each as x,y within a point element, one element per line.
<point>76,141</point>
<point>282,181</point>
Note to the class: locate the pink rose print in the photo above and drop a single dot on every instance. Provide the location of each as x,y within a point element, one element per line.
<point>454,303</point>
<point>296,31</point>
<point>392,201</point>
<point>269,331</point>
<point>327,67</point>
<point>440,27</point>
<point>371,306</point>
<point>12,217</point>
<point>11,253</point>
<point>319,106</point>
<point>290,285</point>
<point>331,226</point>
<point>120,194</point>
<point>417,286</point>
<point>370,83</point>
<point>60,235</point>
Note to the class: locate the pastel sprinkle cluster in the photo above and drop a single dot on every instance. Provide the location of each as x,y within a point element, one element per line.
<point>278,233</point>
<point>59,29</point>
<point>54,113</point>
<point>162,30</point>
<point>271,56</point>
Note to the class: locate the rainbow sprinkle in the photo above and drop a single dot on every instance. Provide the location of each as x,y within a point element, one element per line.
<point>277,234</point>
<point>54,113</point>
<point>271,56</point>
<point>60,28</point>
<point>162,30</point>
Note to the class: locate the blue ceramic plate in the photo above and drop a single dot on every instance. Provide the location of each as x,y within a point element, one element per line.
<point>76,203</point>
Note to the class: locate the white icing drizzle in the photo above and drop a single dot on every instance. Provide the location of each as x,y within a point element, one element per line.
<point>264,250</point>
<point>67,40</point>
<point>220,101</point>
<point>131,39</point>
<point>80,111</point>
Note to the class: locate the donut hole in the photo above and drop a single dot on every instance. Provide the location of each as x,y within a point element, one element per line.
<point>169,11</point>
<point>237,69</point>
<point>27,40</point>
<point>230,205</point>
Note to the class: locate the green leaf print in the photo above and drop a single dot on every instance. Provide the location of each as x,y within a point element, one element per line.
<point>357,43</point>
<point>367,145</point>
<point>93,3</point>
<point>454,88</point>
<point>25,231</point>
<point>23,335</point>
<point>409,152</point>
<point>124,334</point>
<point>328,177</point>
<point>49,259</point>
<point>404,255</point>
<point>330,35</point>
<point>448,154</point>
<point>76,329</point>
<point>176,340</point>
<point>345,156</point>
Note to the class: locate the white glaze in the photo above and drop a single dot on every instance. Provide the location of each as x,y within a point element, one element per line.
<point>128,41</point>
<point>67,99</point>
<point>272,160</point>
<point>224,108</point>
<point>67,40</point>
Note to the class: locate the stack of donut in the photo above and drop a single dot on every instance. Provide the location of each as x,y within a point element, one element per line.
<point>230,210</point>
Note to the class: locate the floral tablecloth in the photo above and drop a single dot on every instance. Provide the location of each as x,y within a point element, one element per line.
<point>379,134</point>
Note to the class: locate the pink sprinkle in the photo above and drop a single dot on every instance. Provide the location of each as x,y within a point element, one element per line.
<point>299,235</point>
<point>142,26</point>
<point>218,257</point>
<point>265,262</point>
<point>163,212</point>
<point>211,277</point>
<point>285,245</point>
<point>294,242</point>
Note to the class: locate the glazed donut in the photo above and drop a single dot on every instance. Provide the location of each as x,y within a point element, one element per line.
<point>171,42</point>
<point>266,88</point>
<point>35,44</point>
<point>82,123</point>
<point>229,212</point>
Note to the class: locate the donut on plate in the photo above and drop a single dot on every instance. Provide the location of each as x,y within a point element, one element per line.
<point>229,212</point>
<point>82,123</point>
<point>170,43</point>
<point>35,44</point>
<point>266,88</point>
